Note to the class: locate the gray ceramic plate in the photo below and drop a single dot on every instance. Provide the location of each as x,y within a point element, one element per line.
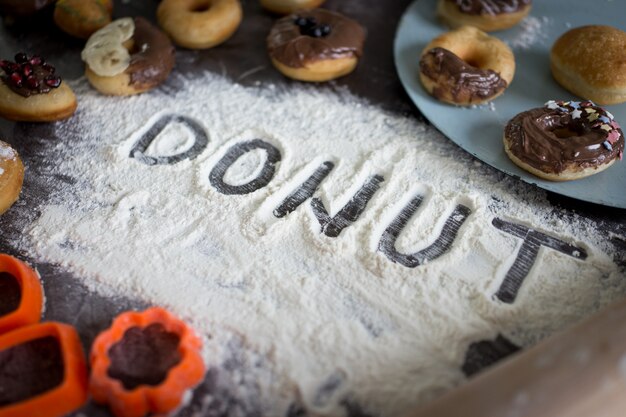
<point>479,130</point>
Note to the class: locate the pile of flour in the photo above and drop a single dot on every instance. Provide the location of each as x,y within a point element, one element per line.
<point>321,310</point>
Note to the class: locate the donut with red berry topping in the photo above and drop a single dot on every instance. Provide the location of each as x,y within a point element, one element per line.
<point>30,91</point>
<point>564,140</point>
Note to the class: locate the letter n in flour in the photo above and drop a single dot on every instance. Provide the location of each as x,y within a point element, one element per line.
<point>527,255</point>
<point>441,245</point>
<point>332,226</point>
<point>143,143</point>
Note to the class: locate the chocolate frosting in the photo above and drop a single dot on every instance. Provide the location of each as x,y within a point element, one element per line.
<point>490,7</point>
<point>464,82</point>
<point>559,136</point>
<point>23,7</point>
<point>290,47</point>
<point>152,57</point>
<point>30,369</point>
<point>144,356</point>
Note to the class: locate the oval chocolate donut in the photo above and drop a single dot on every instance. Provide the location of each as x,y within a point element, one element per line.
<point>316,45</point>
<point>564,140</point>
<point>487,15</point>
<point>128,57</point>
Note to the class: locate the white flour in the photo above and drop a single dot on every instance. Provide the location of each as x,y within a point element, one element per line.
<point>312,305</point>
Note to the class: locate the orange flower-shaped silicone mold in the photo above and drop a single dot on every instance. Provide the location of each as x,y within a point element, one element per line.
<point>22,305</point>
<point>43,372</point>
<point>145,363</point>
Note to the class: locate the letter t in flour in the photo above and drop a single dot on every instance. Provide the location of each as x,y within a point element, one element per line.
<point>527,255</point>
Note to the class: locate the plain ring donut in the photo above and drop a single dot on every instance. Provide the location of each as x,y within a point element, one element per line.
<point>564,140</point>
<point>466,66</point>
<point>199,24</point>
<point>486,15</point>
<point>128,57</point>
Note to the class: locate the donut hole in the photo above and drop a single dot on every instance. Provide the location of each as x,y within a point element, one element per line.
<point>200,6</point>
<point>565,132</point>
<point>476,59</point>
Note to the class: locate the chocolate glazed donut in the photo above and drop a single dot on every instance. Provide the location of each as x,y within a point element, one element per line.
<point>492,7</point>
<point>128,57</point>
<point>486,15</point>
<point>564,140</point>
<point>149,66</point>
<point>23,7</point>
<point>316,45</point>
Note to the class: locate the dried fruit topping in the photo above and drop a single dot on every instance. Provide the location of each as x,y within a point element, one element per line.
<point>309,27</point>
<point>28,75</point>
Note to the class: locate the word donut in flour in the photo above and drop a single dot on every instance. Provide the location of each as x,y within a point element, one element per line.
<point>466,66</point>
<point>128,57</point>
<point>290,6</point>
<point>316,45</point>
<point>11,176</point>
<point>487,15</point>
<point>30,91</point>
<point>590,61</point>
<point>564,140</point>
<point>199,24</point>
<point>81,18</point>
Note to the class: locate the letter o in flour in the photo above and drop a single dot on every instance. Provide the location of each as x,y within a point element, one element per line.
<point>216,177</point>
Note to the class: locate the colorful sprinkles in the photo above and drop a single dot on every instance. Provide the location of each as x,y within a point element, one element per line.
<point>587,110</point>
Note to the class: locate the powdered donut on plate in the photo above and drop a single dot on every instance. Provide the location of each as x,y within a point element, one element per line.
<point>11,176</point>
<point>564,140</point>
<point>290,6</point>
<point>199,24</point>
<point>487,15</point>
<point>590,61</point>
<point>30,91</point>
<point>466,66</point>
<point>128,57</point>
<point>316,45</point>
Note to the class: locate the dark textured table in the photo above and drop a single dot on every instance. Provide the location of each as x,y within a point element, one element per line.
<point>243,59</point>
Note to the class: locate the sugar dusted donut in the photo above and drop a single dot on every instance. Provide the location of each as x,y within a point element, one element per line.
<point>30,91</point>
<point>290,6</point>
<point>199,24</point>
<point>466,66</point>
<point>564,140</point>
<point>81,18</point>
<point>11,176</point>
<point>590,61</point>
<point>128,57</point>
<point>486,15</point>
<point>316,45</point>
